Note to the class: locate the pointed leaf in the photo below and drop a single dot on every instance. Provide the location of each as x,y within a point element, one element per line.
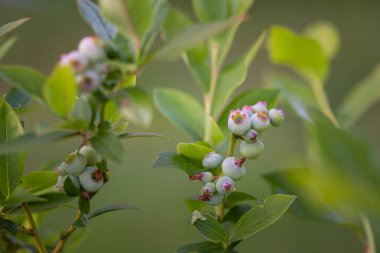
<point>201,247</point>
<point>39,182</point>
<point>140,134</point>
<point>108,146</point>
<point>237,197</point>
<point>193,151</point>
<point>208,226</point>
<point>11,25</point>
<point>173,160</point>
<point>110,208</point>
<point>6,45</point>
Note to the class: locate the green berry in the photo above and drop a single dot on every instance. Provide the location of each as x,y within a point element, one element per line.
<point>276,117</point>
<point>91,179</point>
<point>225,185</point>
<point>234,168</point>
<point>251,150</point>
<point>74,164</point>
<point>212,160</point>
<point>91,155</point>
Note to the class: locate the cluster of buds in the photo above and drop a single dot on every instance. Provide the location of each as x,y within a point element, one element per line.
<point>249,123</point>
<point>79,174</point>
<point>88,63</point>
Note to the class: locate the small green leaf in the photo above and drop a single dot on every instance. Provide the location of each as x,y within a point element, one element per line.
<point>236,212</point>
<point>6,45</point>
<point>102,27</point>
<point>110,208</point>
<point>261,217</point>
<point>299,52</point>
<point>201,247</point>
<point>108,146</point>
<point>25,79</point>
<point>8,226</point>
<point>237,197</point>
<point>193,151</point>
<point>4,29</point>
<point>173,160</point>
<point>70,188</point>
<point>16,99</point>
<point>82,113</point>
<point>51,201</point>
<point>60,91</point>
<point>11,164</point>
<point>140,134</point>
<point>84,205</point>
<point>39,182</point>
<point>209,227</point>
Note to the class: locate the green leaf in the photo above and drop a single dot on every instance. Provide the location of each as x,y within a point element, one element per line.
<point>16,99</point>
<point>39,182</point>
<point>236,212</point>
<point>52,201</point>
<point>6,45</point>
<point>8,226</point>
<point>19,196</point>
<point>102,27</point>
<point>208,226</point>
<point>234,75</point>
<point>362,97</point>
<point>261,217</point>
<point>25,79</point>
<point>70,188</point>
<point>173,160</point>
<point>82,113</point>
<point>237,197</point>
<point>11,164</point>
<point>327,36</point>
<point>84,205</point>
<point>108,146</point>
<point>299,52</point>
<point>140,134</point>
<point>11,25</point>
<point>212,10</point>
<point>249,97</point>
<point>110,208</point>
<point>60,91</point>
<point>201,247</point>
<point>181,109</point>
<point>136,106</point>
<point>193,151</point>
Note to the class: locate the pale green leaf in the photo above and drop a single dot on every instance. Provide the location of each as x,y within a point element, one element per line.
<point>108,146</point>
<point>193,151</point>
<point>11,25</point>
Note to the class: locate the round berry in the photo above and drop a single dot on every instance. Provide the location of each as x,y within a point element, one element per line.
<point>251,136</point>
<point>91,155</point>
<point>89,81</point>
<point>239,122</point>
<point>247,109</point>
<point>91,179</point>
<point>75,60</point>
<point>260,106</point>
<point>74,164</point>
<point>251,150</point>
<point>276,117</point>
<point>212,160</point>
<point>204,177</point>
<point>92,48</point>
<point>260,121</point>
<point>225,185</point>
<point>234,168</point>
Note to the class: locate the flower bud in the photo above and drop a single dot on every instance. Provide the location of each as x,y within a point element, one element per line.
<point>225,185</point>
<point>212,160</point>
<point>251,136</point>
<point>92,48</point>
<point>234,168</point>
<point>260,106</point>
<point>74,164</point>
<point>91,179</point>
<point>260,121</point>
<point>239,122</point>
<point>91,155</point>
<point>251,150</point>
<point>247,109</point>
<point>204,177</point>
<point>74,59</point>
<point>89,81</point>
<point>276,117</point>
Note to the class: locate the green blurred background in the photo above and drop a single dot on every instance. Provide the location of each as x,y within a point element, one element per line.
<point>162,222</point>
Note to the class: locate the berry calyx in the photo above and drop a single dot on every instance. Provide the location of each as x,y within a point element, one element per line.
<point>204,177</point>
<point>225,185</point>
<point>251,136</point>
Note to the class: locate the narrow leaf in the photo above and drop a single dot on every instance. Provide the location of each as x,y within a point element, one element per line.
<point>201,247</point>
<point>6,45</point>
<point>110,208</point>
<point>16,99</point>
<point>208,226</point>
<point>11,26</point>
<point>140,134</point>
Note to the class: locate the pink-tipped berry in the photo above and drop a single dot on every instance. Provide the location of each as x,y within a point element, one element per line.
<point>239,122</point>
<point>233,167</point>
<point>260,106</point>
<point>225,185</point>
<point>204,177</point>
<point>92,47</point>
<point>75,60</point>
<point>276,117</point>
<point>260,121</point>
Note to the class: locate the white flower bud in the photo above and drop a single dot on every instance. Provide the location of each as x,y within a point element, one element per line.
<point>251,136</point>
<point>260,121</point>
<point>247,109</point>
<point>74,164</point>
<point>260,106</point>
<point>239,122</point>
<point>91,155</point>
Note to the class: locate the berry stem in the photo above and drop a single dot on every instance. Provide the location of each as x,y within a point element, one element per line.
<point>67,234</point>
<point>231,146</point>
<point>36,236</point>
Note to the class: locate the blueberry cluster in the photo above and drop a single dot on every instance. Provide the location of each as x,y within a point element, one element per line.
<point>88,63</point>
<point>79,174</point>
<point>247,125</point>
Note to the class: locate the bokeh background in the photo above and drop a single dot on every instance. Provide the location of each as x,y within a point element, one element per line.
<point>161,224</point>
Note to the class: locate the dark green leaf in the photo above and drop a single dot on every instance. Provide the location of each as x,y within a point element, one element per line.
<point>70,188</point>
<point>173,160</point>
<point>8,226</point>
<point>60,91</point>
<point>208,226</point>
<point>39,182</point>
<point>84,205</point>
<point>236,212</point>
<point>52,201</point>
<point>110,208</point>
<point>108,146</point>
<point>237,197</point>
<point>201,247</point>
<point>140,134</point>
<point>16,99</point>
<point>11,25</point>
<point>103,28</point>
<point>19,196</point>
<point>11,164</point>
<point>261,217</point>
<point>193,151</point>
<point>25,79</point>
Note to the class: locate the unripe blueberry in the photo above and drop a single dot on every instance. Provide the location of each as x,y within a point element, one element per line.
<point>91,179</point>
<point>92,47</point>
<point>225,185</point>
<point>251,150</point>
<point>89,81</point>
<point>209,195</point>
<point>260,121</point>
<point>276,117</point>
<point>62,179</point>
<point>251,136</point>
<point>204,177</point>
<point>260,106</point>
<point>247,109</point>
<point>234,168</point>
<point>212,160</point>
<point>239,122</point>
<point>215,199</point>
<point>74,59</point>
<point>74,164</point>
<point>91,155</point>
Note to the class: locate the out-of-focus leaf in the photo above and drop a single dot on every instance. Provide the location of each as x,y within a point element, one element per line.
<point>234,75</point>
<point>39,182</point>
<point>193,151</point>
<point>102,27</point>
<point>84,205</point>
<point>208,226</point>
<point>108,146</point>
<point>201,247</point>
<point>327,36</point>
<point>299,52</point>
<point>234,214</point>
<point>82,113</point>
<point>16,99</point>
<point>364,95</point>
<point>52,201</point>
<point>19,196</point>
<point>261,217</point>
<point>60,91</point>
<point>11,164</point>
<point>110,208</point>
<point>25,79</point>
<point>6,45</point>
<point>140,134</point>
<point>4,29</point>
<point>8,226</point>
<point>173,160</point>
<point>237,197</point>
